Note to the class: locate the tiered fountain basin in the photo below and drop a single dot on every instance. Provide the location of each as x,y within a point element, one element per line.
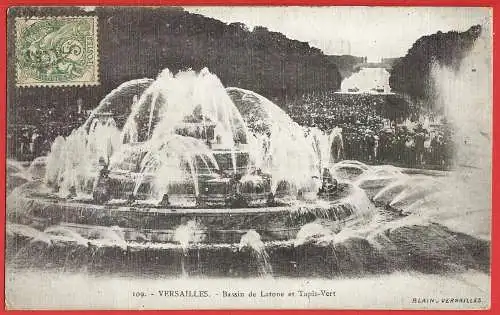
<point>143,222</point>
<point>183,160</point>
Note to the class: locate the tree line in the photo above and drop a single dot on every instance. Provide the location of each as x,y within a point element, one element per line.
<point>410,75</point>
<point>140,42</point>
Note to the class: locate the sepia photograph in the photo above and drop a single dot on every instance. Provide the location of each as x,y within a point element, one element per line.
<point>232,157</point>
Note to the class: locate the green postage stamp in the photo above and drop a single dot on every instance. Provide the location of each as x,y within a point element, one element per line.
<point>56,51</point>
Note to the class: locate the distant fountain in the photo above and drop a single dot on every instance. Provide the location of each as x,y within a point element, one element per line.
<point>367,80</point>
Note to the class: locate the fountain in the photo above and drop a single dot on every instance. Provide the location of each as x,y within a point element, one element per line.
<point>182,172</point>
<point>185,149</point>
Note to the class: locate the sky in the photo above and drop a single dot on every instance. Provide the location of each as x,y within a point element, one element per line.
<point>374,32</point>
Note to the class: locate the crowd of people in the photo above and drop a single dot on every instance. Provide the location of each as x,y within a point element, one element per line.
<point>32,136</point>
<point>327,110</point>
<point>377,129</point>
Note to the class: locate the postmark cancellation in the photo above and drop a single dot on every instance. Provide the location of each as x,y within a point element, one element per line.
<point>56,51</point>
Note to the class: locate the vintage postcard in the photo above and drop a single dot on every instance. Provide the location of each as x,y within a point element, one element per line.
<point>248,158</point>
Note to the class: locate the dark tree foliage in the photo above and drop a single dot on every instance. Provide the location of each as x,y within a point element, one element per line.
<point>138,42</point>
<point>410,75</point>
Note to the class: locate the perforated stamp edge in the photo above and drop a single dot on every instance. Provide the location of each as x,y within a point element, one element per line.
<point>91,79</point>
